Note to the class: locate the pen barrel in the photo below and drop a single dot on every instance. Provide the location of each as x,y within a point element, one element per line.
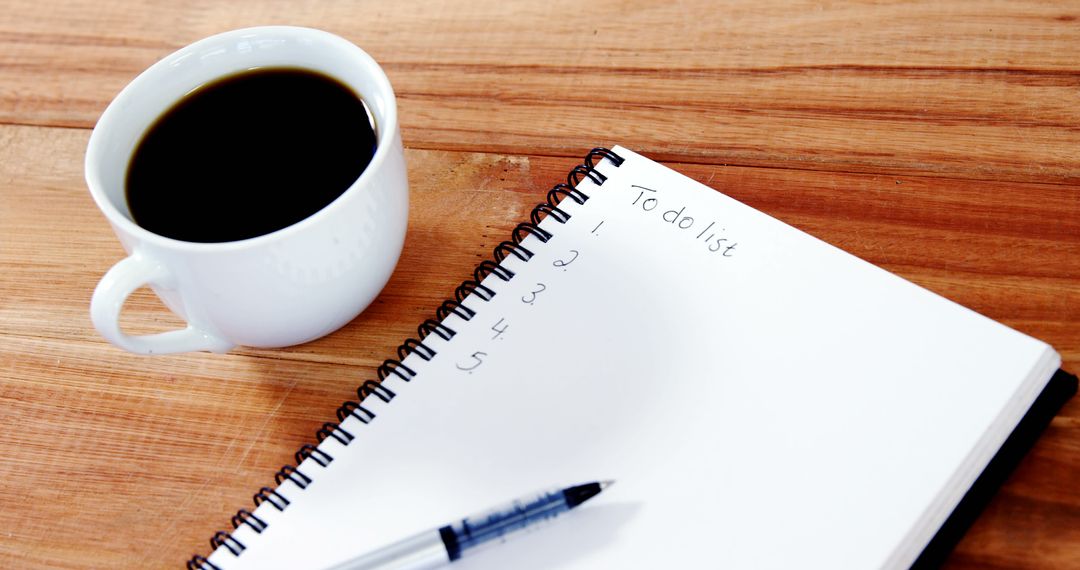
<point>436,547</point>
<point>418,552</point>
<point>498,524</point>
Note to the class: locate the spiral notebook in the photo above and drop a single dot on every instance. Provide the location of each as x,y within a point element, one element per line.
<point>762,399</point>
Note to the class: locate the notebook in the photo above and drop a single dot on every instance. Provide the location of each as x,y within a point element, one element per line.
<point>761,398</point>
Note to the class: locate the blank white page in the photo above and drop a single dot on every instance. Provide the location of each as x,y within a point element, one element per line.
<point>762,399</point>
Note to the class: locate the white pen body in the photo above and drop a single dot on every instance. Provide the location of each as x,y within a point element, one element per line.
<point>418,552</point>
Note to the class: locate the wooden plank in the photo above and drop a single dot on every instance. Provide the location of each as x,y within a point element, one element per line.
<point>121,464</point>
<point>983,90</point>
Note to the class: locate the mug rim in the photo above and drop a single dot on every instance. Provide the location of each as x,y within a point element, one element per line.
<point>386,133</point>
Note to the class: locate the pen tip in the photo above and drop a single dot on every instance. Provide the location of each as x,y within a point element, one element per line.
<point>580,493</point>
<point>606,483</point>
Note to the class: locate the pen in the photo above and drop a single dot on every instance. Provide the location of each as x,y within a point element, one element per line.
<point>435,547</point>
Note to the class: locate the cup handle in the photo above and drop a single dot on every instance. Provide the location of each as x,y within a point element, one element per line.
<point>113,290</point>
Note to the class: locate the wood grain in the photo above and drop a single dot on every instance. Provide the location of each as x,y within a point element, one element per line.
<point>938,140</point>
<point>946,88</point>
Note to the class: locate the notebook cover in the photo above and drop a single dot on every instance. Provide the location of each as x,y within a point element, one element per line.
<point>1061,387</point>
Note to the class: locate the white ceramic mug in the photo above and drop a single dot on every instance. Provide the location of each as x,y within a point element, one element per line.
<point>278,289</point>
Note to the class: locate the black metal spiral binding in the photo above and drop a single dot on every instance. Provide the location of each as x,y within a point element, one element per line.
<point>488,267</point>
<point>354,409</point>
<point>413,346</point>
<point>222,538</point>
<point>307,450</point>
<point>471,287</point>
<point>562,190</point>
<point>601,152</point>
<point>244,516</point>
<point>474,287</point>
<point>519,251</point>
<point>271,496</point>
<point>292,474</point>
<point>452,306</point>
<point>431,325</point>
<point>199,563</point>
<point>330,429</point>
<point>581,172</point>
<point>389,367</point>
<point>372,387</point>
<point>530,228</point>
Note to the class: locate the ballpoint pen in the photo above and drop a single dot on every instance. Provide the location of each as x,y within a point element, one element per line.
<point>438,546</point>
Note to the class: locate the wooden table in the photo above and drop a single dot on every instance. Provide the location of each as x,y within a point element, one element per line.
<point>939,140</point>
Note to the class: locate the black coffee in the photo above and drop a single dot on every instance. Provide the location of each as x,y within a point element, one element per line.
<point>249,154</point>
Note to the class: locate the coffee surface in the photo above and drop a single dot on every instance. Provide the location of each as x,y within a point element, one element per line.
<point>249,154</point>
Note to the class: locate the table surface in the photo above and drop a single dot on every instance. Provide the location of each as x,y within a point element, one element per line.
<point>938,140</point>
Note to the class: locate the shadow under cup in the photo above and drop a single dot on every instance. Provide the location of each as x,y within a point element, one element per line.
<point>284,287</point>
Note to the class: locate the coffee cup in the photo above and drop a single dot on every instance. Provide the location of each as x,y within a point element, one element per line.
<point>280,286</point>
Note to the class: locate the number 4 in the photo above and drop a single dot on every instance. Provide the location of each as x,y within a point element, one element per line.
<point>498,331</point>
